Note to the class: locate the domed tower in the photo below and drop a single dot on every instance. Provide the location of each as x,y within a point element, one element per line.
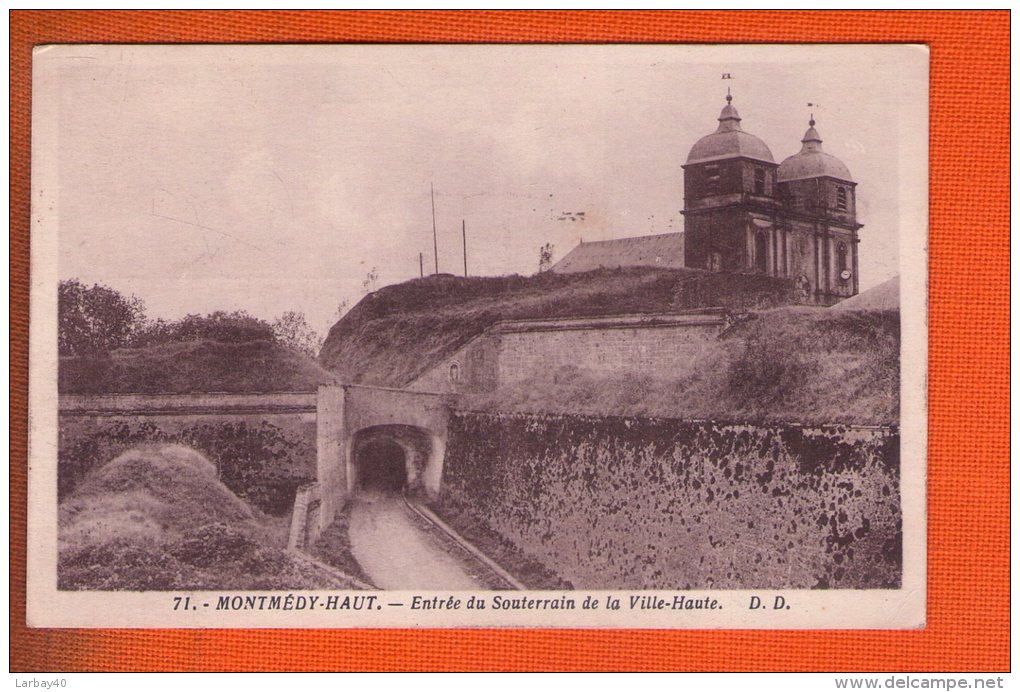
<point>730,201</point>
<point>819,221</point>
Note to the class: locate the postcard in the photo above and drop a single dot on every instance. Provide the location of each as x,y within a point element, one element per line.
<point>608,336</point>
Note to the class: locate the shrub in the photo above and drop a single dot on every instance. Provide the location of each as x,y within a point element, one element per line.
<point>212,544</point>
<point>261,463</point>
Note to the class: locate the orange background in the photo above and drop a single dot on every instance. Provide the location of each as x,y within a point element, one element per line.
<point>968,480</point>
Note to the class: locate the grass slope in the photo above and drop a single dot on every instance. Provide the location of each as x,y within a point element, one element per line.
<point>795,364</point>
<point>157,518</point>
<point>398,332</point>
<point>194,366</point>
<point>884,296</point>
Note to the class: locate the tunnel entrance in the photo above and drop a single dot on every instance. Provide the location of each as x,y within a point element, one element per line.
<point>382,466</point>
<point>391,458</point>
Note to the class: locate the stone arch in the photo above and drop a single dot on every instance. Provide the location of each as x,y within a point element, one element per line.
<point>394,457</point>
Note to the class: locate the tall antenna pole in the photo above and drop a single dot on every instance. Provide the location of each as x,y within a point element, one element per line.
<point>421,264</point>
<point>463,233</point>
<point>435,243</point>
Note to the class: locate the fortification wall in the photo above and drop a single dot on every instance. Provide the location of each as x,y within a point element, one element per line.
<point>264,445</point>
<point>646,503</point>
<point>474,367</point>
<point>517,351</point>
<point>613,351</point>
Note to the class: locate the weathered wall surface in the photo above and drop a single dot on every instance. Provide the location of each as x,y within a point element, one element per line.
<point>477,368</point>
<point>646,503</point>
<point>513,352</point>
<point>264,446</point>
<point>526,355</point>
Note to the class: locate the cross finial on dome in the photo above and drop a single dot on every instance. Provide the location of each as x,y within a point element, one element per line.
<point>811,121</point>
<point>729,96</point>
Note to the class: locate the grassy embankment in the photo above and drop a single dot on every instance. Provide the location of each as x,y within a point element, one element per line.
<point>785,364</point>
<point>400,331</point>
<point>334,547</point>
<point>193,366</point>
<point>156,518</point>
<point>799,365</point>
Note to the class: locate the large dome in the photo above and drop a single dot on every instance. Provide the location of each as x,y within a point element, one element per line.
<point>811,161</point>
<point>729,141</point>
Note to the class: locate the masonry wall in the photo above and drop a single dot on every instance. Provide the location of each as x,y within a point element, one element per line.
<point>527,355</point>
<point>506,357</point>
<point>264,446</point>
<point>477,368</point>
<point>643,503</point>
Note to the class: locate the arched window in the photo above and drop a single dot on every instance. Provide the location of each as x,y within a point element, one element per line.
<point>761,252</point>
<point>841,204</point>
<point>759,181</point>
<point>455,373</point>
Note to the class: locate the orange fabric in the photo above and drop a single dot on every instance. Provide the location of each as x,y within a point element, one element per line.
<point>968,479</point>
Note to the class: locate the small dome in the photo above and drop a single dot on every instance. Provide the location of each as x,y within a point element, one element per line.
<point>729,141</point>
<point>811,161</point>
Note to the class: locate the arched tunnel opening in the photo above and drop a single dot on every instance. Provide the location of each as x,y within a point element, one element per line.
<point>382,466</point>
<point>392,458</point>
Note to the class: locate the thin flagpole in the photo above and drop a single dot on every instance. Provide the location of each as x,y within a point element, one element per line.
<point>435,243</point>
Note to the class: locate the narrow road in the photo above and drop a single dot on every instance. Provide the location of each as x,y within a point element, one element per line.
<point>396,552</point>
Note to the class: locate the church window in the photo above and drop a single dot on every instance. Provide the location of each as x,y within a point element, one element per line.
<point>759,181</point>
<point>455,373</point>
<point>841,198</point>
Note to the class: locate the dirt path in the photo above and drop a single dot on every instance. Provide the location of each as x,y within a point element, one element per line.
<point>396,553</point>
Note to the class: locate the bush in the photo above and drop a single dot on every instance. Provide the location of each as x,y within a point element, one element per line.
<point>227,327</point>
<point>260,463</point>
<point>95,320</point>
<point>212,544</point>
<point>195,534</point>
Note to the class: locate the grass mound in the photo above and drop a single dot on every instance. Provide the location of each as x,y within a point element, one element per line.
<point>173,485</point>
<point>157,518</point>
<point>795,364</point>
<point>193,366</point>
<point>400,331</point>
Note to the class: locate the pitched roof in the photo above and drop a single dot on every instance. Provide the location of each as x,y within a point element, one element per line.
<point>664,251</point>
<point>884,296</point>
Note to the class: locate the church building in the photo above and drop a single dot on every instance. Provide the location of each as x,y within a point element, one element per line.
<point>745,214</point>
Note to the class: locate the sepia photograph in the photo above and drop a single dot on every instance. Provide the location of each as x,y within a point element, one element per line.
<point>478,335</point>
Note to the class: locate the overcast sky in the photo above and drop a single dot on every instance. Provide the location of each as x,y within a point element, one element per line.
<point>275,178</point>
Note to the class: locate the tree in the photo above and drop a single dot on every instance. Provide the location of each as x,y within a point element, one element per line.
<point>370,280</point>
<point>95,320</point>
<point>342,308</point>
<point>545,257</point>
<point>291,329</point>
<point>229,327</point>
